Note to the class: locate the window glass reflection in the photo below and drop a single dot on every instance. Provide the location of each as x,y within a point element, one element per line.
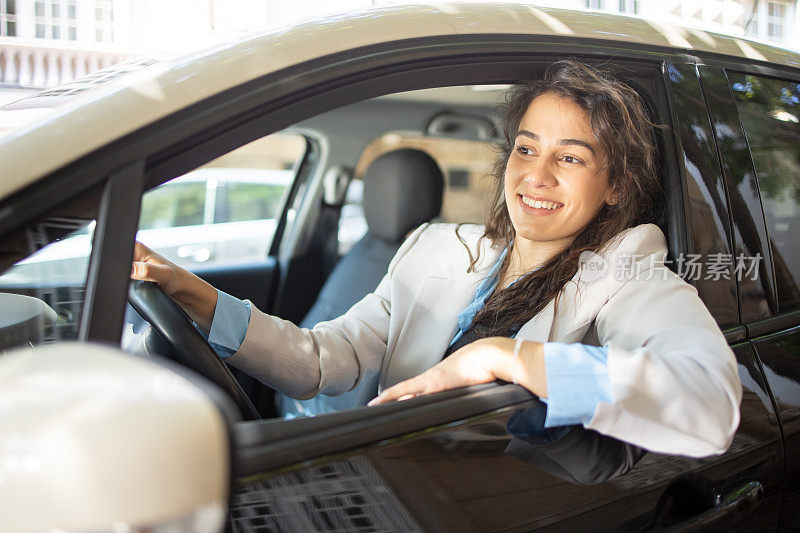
<point>770,114</point>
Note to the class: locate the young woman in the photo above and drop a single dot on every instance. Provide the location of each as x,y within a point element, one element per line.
<point>564,291</point>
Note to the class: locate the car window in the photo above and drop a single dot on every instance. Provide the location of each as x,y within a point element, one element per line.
<point>251,201</point>
<point>174,205</point>
<point>42,294</point>
<point>770,114</point>
<point>465,165</point>
<point>224,212</point>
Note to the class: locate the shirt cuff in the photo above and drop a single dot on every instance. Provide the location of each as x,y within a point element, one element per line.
<point>577,380</point>
<point>229,325</point>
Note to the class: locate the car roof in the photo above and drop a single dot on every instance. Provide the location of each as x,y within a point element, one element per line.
<point>68,126</point>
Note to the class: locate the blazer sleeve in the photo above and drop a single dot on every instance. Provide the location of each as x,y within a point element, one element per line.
<point>331,357</point>
<point>674,379</point>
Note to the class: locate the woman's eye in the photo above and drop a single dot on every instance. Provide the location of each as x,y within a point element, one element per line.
<point>524,150</point>
<point>571,159</point>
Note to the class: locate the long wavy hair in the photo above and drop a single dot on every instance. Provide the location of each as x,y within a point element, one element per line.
<point>621,125</point>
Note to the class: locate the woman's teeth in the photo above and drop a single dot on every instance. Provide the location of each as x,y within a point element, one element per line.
<point>538,204</point>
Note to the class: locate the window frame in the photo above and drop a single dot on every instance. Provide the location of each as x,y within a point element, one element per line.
<point>112,253</point>
<point>725,118</point>
<point>60,27</point>
<point>232,118</point>
<point>8,19</point>
<point>762,21</point>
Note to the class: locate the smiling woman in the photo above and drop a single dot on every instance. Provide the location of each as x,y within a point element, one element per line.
<point>632,353</point>
<point>582,141</point>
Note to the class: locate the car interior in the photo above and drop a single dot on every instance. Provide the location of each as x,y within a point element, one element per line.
<point>386,165</point>
<point>391,162</point>
<point>364,176</point>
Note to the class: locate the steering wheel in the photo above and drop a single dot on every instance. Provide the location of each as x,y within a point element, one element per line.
<point>190,348</point>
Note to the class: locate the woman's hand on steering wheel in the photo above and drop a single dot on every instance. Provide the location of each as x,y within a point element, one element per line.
<point>195,296</point>
<point>150,266</point>
<point>198,299</point>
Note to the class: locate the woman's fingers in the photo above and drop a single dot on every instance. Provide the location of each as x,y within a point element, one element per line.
<point>195,296</point>
<point>410,388</point>
<point>150,272</point>
<point>149,266</point>
<point>143,253</point>
<point>436,379</point>
<point>402,391</point>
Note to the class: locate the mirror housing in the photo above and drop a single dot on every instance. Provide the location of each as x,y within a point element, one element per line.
<point>93,439</point>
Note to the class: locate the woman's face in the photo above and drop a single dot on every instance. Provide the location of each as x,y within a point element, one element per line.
<point>554,185</point>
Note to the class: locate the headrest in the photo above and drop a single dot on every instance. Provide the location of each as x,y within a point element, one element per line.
<point>402,189</point>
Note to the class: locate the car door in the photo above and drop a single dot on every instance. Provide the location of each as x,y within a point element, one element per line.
<point>448,461</point>
<point>764,140</point>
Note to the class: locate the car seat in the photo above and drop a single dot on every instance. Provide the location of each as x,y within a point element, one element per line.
<point>402,189</point>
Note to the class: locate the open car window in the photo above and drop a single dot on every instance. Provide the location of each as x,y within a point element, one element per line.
<point>223,213</point>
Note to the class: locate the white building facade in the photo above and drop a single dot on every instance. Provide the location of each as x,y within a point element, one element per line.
<point>48,42</point>
<point>771,21</point>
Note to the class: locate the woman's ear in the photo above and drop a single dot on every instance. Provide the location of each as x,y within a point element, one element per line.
<point>612,197</point>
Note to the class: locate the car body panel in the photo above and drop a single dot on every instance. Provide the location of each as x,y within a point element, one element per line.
<point>159,90</point>
<point>474,475</point>
<point>779,353</point>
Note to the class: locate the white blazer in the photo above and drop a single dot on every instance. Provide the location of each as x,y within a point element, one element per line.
<point>674,379</point>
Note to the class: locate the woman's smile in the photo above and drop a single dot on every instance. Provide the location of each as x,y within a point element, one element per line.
<point>538,206</point>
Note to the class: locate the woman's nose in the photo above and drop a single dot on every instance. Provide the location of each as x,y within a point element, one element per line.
<point>540,174</point>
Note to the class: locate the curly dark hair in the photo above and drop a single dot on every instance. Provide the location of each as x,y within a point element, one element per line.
<point>621,125</point>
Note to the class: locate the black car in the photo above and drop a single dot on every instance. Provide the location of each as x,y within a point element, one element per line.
<point>324,99</point>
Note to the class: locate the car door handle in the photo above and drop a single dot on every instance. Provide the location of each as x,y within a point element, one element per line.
<point>734,505</point>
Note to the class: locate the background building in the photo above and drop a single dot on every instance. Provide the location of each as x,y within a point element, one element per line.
<point>50,42</point>
<point>771,21</point>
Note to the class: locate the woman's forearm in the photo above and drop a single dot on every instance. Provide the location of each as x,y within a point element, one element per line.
<point>481,361</point>
<point>197,297</point>
<point>527,368</point>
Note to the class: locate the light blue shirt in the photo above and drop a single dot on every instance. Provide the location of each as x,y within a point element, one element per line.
<point>577,374</point>
<point>229,325</point>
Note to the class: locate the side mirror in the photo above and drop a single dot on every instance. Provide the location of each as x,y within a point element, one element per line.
<point>93,439</point>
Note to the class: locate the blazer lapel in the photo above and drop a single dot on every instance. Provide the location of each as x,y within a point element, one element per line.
<point>541,327</point>
<point>431,321</point>
<point>578,305</point>
<point>428,329</point>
